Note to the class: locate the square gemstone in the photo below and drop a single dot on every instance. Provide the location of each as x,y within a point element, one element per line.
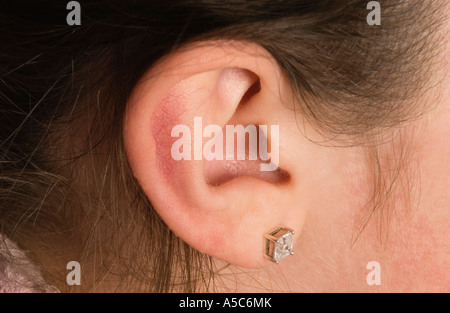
<point>283,246</point>
<point>278,243</point>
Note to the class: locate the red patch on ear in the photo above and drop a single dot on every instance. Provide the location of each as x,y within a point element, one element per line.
<point>172,110</point>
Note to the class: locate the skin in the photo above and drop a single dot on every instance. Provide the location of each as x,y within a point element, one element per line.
<point>410,242</point>
<point>324,199</point>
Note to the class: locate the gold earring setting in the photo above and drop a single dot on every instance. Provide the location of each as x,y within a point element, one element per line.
<point>278,243</point>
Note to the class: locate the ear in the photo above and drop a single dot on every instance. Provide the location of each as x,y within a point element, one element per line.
<point>176,133</point>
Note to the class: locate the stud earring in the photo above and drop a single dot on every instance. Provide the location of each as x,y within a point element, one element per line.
<point>278,243</point>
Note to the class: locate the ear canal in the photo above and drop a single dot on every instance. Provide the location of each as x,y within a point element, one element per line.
<point>237,149</point>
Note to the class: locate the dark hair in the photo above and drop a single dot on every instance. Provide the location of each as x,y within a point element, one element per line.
<point>66,189</point>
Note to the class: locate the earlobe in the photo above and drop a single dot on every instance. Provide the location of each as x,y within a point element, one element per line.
<point>178,145</point>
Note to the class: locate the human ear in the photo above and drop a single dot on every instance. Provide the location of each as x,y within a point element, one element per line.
<point>175,134</point>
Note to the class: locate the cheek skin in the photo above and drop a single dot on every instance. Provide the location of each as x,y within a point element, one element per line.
<point>337,188</point>
<point>408,242</point>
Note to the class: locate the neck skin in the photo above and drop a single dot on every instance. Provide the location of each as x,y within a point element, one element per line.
<point>409,239</point>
